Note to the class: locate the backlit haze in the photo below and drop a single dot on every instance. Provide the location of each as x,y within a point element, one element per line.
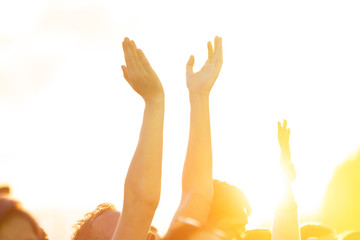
<point>69,122</point>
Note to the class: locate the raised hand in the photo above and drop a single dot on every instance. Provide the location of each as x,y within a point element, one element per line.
<point>142,185</point>
<point>201,82</point>
<point>286,164</point>
<point>286,221</point>
<point>283,136</point>
<point>139,74</point>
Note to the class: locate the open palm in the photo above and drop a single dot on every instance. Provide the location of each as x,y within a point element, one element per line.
<point>201,82</point>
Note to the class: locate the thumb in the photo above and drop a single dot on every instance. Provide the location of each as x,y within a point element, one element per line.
<point>190,65</point>
<point>125,72</point>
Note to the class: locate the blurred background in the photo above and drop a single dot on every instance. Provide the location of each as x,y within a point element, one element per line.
<point>69,122</point>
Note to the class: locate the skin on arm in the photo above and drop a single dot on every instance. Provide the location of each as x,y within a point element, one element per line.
<point>143,180</point>
<point>197,181</point>
<point>287,167</point>
<point>286,223</point>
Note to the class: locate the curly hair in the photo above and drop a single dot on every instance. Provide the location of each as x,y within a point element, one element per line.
<point>10,208</point>
<point>83,227</point>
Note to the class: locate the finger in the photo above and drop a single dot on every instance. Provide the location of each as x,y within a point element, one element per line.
<point>210,52</point>
<point>137,58</point>
<point>128,55</point>
<point>285,124</point>
<point>288,133</point>
<point>219,54</point>
<point>125,72</point>
<point>215,49</point>
<point>144,61</point>
<point>190,65</point>
<point>132,42</point>
<point>279,131</point>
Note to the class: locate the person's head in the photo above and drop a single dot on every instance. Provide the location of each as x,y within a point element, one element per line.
<point>4,191</point>
<point>340,207</point>
<point>353,235</point>
<point>319,231</point>
<point>227,217</point>
<point>16,223</point>
<point>229,210</point>
<point>98,224</point>
<point>258,234</point>
<point>189,231</point>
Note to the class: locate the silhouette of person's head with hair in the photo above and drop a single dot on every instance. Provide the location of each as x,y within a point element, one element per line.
<point>5,191</point>
<point>258,234</point>
<point>17,223</point>
<point>227,217</point>
<point>341,208</point>
<point>229,209</point>
<point>100,224</point>
<point>317,231</point>
<point>352,235</point>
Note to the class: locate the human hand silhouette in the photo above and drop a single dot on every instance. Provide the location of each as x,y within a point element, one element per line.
<point>286,164</point>
<point>139,74</point>
<point>283,136</point>
<point>201,82</point>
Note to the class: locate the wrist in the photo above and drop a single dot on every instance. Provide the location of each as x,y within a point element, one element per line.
<point>195,96</point>
<point>155,100</point>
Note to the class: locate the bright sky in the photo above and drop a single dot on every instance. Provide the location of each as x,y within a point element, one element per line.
<point>70,122</point>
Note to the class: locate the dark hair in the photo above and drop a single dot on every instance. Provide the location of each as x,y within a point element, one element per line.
<point>228,201</point>
<point>5,190</point>
<point>258,234</point>
<point>184,231</point>
<point>315,230</point>
<point>10,208</point>
<point>83,227</point>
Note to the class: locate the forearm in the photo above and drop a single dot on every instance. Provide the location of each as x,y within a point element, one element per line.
<point>143,180</point>
<point>287,201</point>
<point>197,183</point>
<point>286,225</point>
<point>197,173</point>
<point>285,155</point>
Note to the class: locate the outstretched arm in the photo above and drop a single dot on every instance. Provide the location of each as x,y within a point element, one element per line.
<point>143,180</point>
<point>197,181</point>
<point>286,223</point>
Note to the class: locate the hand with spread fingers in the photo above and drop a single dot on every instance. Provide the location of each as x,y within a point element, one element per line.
<point>201,82</point>
<point>283,136</point>
<point>139,74</point>
<point>286,164</point>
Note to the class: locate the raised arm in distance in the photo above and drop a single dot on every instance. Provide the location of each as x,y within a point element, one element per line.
<point>286,223</point>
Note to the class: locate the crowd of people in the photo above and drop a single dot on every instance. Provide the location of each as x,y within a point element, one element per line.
<point>209,209</point>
